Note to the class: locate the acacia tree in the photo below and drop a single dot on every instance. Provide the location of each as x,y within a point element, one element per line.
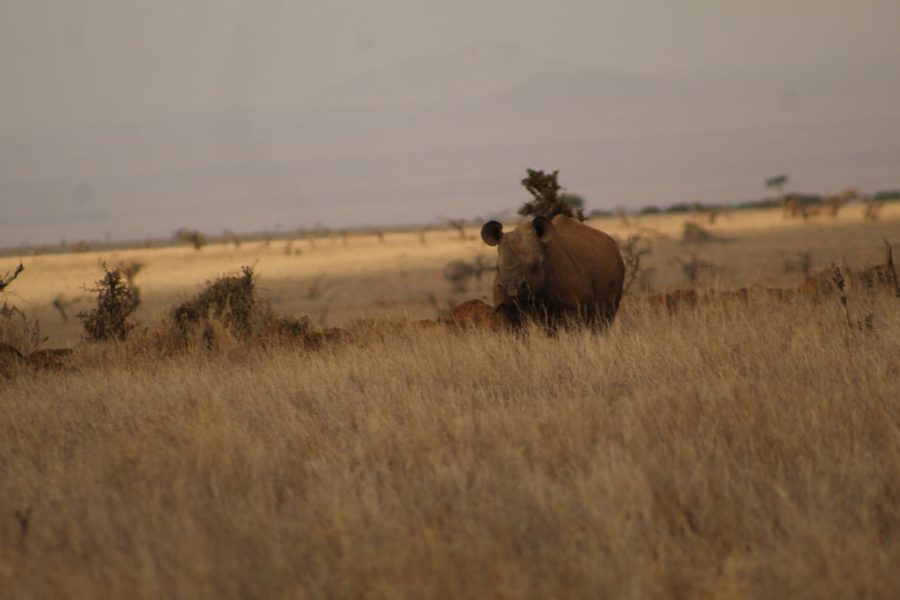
<point>549,198</point>
<point>778,182</point>
<point>192,237</point>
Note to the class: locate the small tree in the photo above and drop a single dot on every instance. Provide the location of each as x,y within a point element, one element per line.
<point>459,225</point>
<point>778,182</point>
<point>116,300</point>
<point>192,237</point>
<point>549,198</point>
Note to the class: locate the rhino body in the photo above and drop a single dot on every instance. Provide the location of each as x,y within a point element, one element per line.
<point>556,272</point>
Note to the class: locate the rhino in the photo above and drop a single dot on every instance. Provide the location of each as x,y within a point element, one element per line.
<point>556,272</point>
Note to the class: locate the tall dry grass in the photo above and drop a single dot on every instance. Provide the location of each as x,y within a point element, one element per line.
<point>728,451</point>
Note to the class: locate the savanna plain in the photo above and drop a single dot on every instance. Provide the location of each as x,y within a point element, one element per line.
<point>744,445</point>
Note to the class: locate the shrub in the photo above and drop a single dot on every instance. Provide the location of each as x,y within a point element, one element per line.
<point>548,197</point>
<point>693,233</point>
<point>19,332</point>
<point>230,299</point>
<point>192,237</point>
<point>7,279</point>
<point>117,299</point>
<point>633,250</point>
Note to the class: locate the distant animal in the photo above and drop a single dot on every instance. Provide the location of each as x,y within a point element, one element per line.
<point>556,272</point>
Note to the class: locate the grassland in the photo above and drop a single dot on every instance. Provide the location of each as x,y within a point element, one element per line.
<point>728,450</point>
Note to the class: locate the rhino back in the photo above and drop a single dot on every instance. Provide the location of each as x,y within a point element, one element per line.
<point>584,265</point>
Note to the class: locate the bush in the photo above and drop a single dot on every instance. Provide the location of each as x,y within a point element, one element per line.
<point>19,332</point>
<point>7,279</point>
<point>229,313</point>
<point>117,299</point>
<point>191,236</point>
<point>693,233</point>
<point>230,299</point>
<point>549,198</point>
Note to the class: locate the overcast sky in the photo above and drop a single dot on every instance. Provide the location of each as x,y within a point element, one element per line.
<point>134,118</point>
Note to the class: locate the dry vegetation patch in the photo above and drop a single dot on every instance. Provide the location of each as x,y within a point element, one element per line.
<point>739,440</point>
<point>716,452</point>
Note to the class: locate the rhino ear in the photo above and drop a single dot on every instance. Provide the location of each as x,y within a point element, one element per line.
<point>491,233</point>
<point>543,229</point>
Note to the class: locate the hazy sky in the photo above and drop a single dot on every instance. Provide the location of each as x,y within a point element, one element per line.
<point>213,113</point>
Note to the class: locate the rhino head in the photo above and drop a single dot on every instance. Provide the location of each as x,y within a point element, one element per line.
<point>521,268</point>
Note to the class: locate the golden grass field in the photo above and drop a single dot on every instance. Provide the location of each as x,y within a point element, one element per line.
<point>728,450</point>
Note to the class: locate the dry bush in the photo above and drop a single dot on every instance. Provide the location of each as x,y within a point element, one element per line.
<point>19,331</point>
<point>130,269</point>
<point>633,250</point>
<point>228,314</point>
<point>191,236</point>
<point>460,227</point>
<point>117,299</point>
<point>692,233</point>
<point>6,279</point>
<point>230,237</point>
<point>695,267</point>
<point>230,300</point>
<point>19,334</point>
<point>11,361</point>
<point>79,247</point>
